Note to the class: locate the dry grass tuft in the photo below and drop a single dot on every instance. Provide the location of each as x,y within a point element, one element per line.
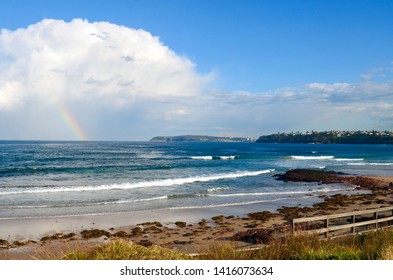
<point>387,253</point>
<point>126,250</point>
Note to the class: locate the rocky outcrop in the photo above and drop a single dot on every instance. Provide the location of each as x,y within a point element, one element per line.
<point>329,177</point>
<point>309,175</point>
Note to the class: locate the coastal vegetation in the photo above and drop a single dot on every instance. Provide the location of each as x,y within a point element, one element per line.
<point>314,137</point>
<point>377,245</point>
<point>330,137</point>
<point>122,249</point>
<point>370,246</point>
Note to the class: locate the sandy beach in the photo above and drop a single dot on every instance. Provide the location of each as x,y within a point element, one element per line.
<point>24,236</point>
<point>185,230</point>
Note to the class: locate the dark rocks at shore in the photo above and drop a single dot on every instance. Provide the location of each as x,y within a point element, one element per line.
<point>254,236</point>
<point>145,243</point>
<point>95,233</point>
<point>366,183</point>
<point>263,216</point>
<point>309,175</point>
<point>58,236</point>
<point>4,244</point>
<point>330,177</point>
<point>330,203</point>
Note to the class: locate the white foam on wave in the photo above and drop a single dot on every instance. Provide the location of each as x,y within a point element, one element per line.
<point>213,157</point>
<point>325,158</point>
<point>312,157</point>
<point>144,184</point>
<point>227,157</point>
<point>219,189</point>
<point>136,200</point>
<point>203,157</point>
<point>371,163</point>
<point>349,159</point>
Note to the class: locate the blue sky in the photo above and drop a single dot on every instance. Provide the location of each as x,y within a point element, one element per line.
<point>237,68</point>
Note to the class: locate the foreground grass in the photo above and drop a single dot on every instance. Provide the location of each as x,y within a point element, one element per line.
<point>372,246</point>
<point>125,250</point>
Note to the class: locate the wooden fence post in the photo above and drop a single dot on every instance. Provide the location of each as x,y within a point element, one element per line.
<point>347,223</point>
<point>353,221</point>
<point>327,227</point>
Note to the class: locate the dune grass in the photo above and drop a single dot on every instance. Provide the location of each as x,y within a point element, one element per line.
<point>126,250</point>
<point>371,246</point>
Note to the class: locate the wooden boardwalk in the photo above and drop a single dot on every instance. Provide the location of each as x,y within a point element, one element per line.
<point>337,225</point>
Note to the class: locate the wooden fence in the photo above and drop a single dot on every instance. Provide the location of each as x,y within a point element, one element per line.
<point>335,225</point>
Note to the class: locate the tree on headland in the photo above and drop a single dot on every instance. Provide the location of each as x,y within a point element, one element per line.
<point>330,137</point>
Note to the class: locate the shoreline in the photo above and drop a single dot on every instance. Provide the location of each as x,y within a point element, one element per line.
<point>184,230</point>
<point>34,228</point>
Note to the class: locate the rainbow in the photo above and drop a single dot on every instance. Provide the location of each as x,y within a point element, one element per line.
<point>71,122</point>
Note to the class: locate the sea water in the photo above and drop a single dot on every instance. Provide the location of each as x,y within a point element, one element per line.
<point>44,178</point>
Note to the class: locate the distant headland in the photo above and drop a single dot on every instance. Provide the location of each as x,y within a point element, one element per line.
<point>200,138</point>
<point>330,137</point>
<point>313,137</point>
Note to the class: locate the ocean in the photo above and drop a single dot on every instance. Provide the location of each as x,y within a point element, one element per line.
<point>51,179</point>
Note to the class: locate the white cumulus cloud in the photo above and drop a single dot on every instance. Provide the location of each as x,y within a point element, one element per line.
<point>82,60</point>
<point>85,65</point>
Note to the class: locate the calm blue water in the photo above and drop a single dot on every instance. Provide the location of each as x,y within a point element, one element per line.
<point>72,178</point>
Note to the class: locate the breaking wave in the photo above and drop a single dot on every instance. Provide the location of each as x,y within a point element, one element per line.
<point>348,159</point>
<point>312,157</point>
<point>371,163</point>
<point>325,158</point>
<point>143,184</point>
<point>214,157</point>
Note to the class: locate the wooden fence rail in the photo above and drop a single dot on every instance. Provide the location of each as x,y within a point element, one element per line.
<point>336,225</point>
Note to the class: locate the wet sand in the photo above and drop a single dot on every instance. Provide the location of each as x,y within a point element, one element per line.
<point>35,228</point>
